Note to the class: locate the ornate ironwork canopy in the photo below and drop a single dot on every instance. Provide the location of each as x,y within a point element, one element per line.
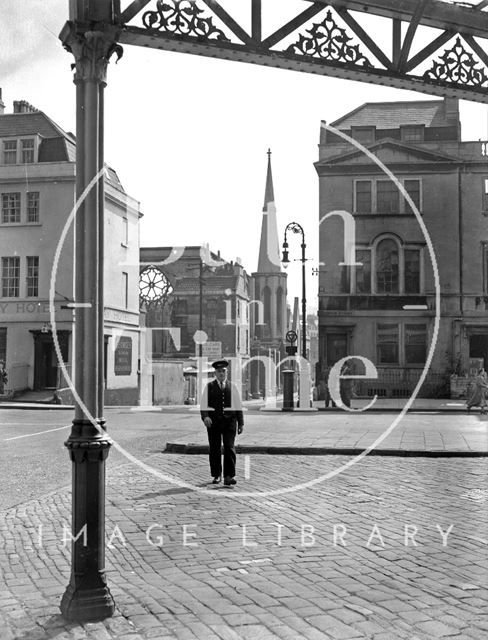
<point>433,46</point>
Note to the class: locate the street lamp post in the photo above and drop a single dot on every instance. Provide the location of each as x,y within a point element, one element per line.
<point>91,35</point>
<point>297,228</point>
<point>202,268</point>
<point>200,318</point>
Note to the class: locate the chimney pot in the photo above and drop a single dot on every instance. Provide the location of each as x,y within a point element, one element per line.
<point>22,106</point>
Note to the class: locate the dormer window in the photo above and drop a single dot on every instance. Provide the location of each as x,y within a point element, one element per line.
<point>412,133</point>
<point>365,135</point>
<point>10,152</point>
<point>21,151</point>
<point>27,151</point>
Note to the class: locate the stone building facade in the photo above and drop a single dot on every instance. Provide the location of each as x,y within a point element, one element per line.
<point>37,196</point>
<point>185,290</point>
<point>384,308</point>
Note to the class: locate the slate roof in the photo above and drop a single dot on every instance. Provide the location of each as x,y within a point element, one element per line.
<point>391,115</point>
<point>53,150</point>
<point>25,124</point>
<point>56,145</point>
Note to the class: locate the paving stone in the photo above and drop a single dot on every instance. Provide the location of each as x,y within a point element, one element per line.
<point>333,627</point>
<point>317,593</point>
<point>368,627</point>
<point>396,606</point>
<point>347,616</point>
<point>436,628</point>
<point>305,630</point>
<point>414,616</point>
<point>144,621</point>
<point>224,632</point>
<point>97,630</point>
<point>239,619</point>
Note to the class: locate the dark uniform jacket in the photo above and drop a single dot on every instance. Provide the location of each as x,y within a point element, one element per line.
<point>222,404</point>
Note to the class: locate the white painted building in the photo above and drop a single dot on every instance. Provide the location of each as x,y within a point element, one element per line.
<point>37,195</point>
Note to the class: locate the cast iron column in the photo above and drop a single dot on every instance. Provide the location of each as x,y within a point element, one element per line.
<point>87,596</point>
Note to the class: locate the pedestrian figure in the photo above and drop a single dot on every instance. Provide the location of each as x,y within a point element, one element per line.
<point>346,385</point>
<point>3,376</point>
<point>477,395</point>
<point>221,412</point>
<point>328,397</point>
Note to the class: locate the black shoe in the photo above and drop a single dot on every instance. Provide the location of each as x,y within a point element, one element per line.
<point>216,480</point>
<point>228,481</point>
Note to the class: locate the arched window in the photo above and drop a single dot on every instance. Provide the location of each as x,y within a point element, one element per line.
<point>267,310</point>
<point>279,310</point>
<point>387,263</point>
<point>257,291</point>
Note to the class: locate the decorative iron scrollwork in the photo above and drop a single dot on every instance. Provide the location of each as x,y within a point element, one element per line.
<point>328,41</point>
<point>458,65</point>
<point>182,17</point>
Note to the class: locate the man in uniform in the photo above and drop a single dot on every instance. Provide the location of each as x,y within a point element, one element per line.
<point>221,413</point>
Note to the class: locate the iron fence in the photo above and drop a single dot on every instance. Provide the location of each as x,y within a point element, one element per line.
<point>400,383</point>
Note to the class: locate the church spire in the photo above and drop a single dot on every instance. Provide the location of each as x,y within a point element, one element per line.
<point>269,192</point>
<point>269,256</point>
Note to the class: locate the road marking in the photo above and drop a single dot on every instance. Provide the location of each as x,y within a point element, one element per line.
<point>20,424</point>
<point>247,467</point>
<point>38,433</point>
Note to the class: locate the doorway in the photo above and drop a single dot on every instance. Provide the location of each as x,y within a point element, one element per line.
<point>45,359</point>
<point>336,347</point>
<point>48,365</point>
<point>478,347</point>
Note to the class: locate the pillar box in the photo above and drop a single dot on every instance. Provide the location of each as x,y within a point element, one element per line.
<point>288,387</point>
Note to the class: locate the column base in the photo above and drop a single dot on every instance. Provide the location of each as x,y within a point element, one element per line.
<point>87,605</point>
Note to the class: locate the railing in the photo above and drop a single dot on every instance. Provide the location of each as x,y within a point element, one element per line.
<point>370,302</point>
<point>17,378</point>
<point>400,383</point>
<point>378,302</point>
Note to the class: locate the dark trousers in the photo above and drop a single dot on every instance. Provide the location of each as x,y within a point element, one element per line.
<point>222,431</point>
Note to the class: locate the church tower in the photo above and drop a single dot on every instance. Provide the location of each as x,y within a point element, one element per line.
<point>268,285</point>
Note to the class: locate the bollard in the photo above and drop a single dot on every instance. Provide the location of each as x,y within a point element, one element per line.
<point>288,387</point>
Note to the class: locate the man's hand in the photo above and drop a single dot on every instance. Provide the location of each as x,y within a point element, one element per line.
<point>207,422</point>
<point>240,428</point>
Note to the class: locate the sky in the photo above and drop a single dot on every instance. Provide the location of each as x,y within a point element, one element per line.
<point>188,135</point>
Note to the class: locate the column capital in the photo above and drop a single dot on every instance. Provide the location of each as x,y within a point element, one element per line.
<point>92,49</point>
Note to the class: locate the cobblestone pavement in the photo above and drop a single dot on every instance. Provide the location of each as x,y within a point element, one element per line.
<point>408,560</point>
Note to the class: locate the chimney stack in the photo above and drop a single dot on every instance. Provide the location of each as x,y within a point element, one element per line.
<point>2,104</point>
<point>22,106</point>
<point>451,106</point>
